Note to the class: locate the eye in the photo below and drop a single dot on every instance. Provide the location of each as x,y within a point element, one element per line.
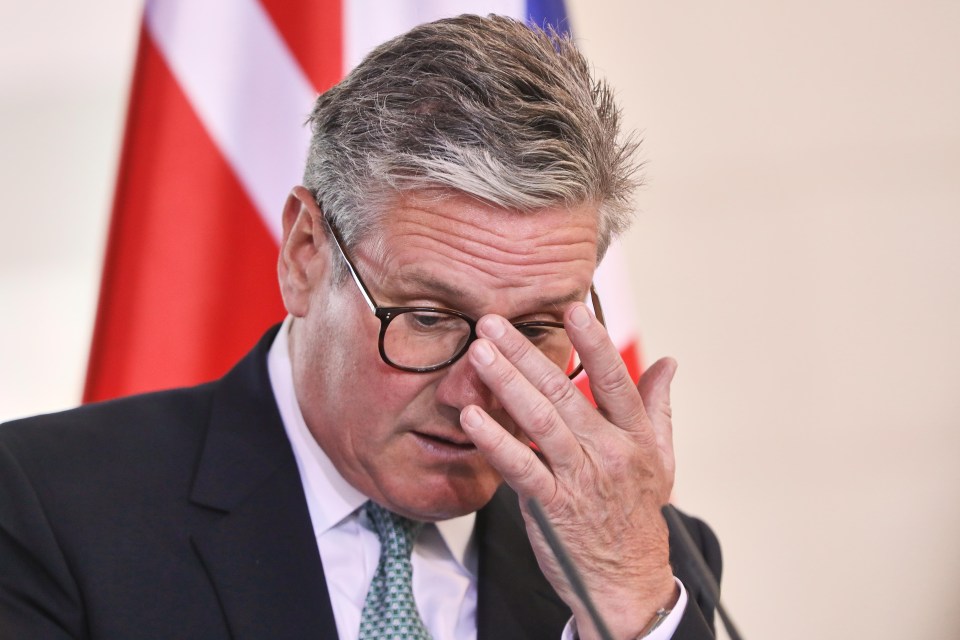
<point>536,333</point>
<point>426,322</point>
<point>425,319</point>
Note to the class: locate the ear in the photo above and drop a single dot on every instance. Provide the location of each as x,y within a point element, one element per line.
<point>304,259</point>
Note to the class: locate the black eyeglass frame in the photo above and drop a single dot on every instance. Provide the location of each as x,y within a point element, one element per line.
<point>387,314</point>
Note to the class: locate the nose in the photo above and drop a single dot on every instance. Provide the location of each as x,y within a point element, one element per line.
<point>461,386</point>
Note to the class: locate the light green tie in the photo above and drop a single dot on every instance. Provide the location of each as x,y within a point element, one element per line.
<point>390,610</point>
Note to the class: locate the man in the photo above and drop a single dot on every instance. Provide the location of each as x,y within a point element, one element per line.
<point>462,184</point>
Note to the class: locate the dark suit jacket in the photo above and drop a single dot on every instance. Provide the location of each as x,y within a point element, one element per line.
<point>181,514</point>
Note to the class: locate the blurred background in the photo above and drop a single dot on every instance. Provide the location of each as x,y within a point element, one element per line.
<point>797,249</point>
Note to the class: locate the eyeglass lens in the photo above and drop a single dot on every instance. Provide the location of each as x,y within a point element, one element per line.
<point>422,339</point>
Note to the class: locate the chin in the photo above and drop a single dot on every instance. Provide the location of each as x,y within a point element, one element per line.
<point>442,498</point>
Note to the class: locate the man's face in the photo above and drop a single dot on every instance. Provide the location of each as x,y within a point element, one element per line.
<point>396,435</point>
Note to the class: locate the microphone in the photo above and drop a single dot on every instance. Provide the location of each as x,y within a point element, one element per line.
<point>701,571</point>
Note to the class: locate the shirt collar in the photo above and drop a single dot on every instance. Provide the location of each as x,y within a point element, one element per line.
<point>330,498</point>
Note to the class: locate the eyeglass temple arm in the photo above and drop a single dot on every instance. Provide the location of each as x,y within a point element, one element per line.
<point>597,309</point>
<point>337,240</point>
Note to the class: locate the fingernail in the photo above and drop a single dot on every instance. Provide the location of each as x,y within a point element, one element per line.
<point>580,317</point>
<point>483,353</point>
<point>471,417</point>
<point>493,326</point>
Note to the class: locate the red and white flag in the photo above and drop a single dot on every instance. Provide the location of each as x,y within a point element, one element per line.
<point>215,139</point>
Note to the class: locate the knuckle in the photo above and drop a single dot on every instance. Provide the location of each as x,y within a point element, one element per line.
<point>498,440</point>
<point>635,416</point>
<point>541,419</point>
<point>506,376</point>
<point>526,466</point>
<point>629,464</point>
<point>619,466</point>
<point>613,377</point>
<point>516,346</point>
<point>666,412</point>
<point>558,389</point>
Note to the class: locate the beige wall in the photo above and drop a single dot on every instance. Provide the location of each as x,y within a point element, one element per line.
<point>796,250</point>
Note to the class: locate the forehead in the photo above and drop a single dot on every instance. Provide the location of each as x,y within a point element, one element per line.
<point>452,242</point>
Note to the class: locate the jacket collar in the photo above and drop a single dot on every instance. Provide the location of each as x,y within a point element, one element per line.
<point>259,549</point>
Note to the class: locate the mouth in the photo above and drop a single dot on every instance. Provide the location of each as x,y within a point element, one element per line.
<point>452,443</point>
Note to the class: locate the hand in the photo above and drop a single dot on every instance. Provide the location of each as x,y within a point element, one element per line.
<point>604,474</point>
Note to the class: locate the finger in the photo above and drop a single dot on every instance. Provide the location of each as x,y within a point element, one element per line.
<point>654,388</point>
<point>544,374</point>
<point>610,382</point>
<point>514,460</point>
<point>529,403</point>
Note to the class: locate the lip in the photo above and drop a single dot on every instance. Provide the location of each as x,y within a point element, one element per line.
<point>445,446</point>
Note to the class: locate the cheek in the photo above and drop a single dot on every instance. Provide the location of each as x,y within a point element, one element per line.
<point>348,381</point>
<point>379,397</point>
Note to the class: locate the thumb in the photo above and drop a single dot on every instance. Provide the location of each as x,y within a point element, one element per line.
<point>654,388</point>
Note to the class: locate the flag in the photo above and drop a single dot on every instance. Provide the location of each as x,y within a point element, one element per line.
<point>214,141</point>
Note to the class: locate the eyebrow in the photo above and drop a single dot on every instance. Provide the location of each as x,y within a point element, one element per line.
<point>434,286</point>
<point>573,296</point>
<point>452,292</point>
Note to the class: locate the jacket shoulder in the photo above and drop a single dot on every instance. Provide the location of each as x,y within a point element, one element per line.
<point>110,431</point>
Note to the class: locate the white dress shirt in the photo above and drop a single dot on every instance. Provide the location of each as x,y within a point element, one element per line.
<point>444,555</point>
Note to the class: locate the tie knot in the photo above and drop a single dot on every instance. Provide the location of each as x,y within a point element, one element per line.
<point>396,533</point>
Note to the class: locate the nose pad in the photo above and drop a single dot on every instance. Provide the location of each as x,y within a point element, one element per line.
<point>461,386</point>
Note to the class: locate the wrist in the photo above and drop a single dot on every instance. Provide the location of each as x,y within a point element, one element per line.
<point>630,618</point>
<point>657,620</point>
<point>661,614</point>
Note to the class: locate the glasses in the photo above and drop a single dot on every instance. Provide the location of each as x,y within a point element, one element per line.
<point>425,339</point>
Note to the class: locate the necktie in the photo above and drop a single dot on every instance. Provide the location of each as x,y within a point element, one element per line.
<point>390,610</point>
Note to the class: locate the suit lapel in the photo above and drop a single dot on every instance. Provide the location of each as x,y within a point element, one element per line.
<point>514,600</point>
<point>260,554</point>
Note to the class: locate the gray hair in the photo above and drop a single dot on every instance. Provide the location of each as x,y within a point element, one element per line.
<point>485,106</point>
